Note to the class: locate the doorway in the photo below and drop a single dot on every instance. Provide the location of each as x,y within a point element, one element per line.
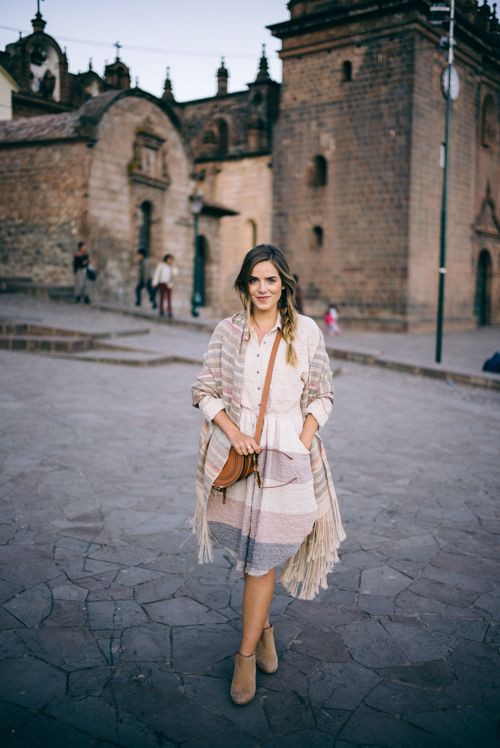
<point>482,298</point>
<point>202,268</point>
<point>146,215</point>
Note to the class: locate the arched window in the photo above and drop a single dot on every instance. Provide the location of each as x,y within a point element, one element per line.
<point>222,137</point>
<point>145,217</point>
<point>488,122</point>
<point>347,71</point>
<point>318,236</point>
<point>482,298</point>
<point>318,172</point>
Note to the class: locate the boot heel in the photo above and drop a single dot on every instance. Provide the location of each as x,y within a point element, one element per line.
<point>266,656</point>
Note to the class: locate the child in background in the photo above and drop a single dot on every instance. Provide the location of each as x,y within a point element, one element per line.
<point>331,320</point>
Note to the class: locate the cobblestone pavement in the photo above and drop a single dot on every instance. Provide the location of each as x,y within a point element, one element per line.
<point>112,635</point>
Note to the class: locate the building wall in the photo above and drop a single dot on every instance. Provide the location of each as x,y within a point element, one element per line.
<point>471,167</point>
<point>362,128</point>
<point>487,193</point>
<point>6,88</point>
<point>114,200</point>
<point>41,196</point>
<point>245,186</point>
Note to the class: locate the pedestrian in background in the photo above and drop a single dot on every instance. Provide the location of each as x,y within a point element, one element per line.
<point>164,275</point>
<point>331,319</point>
<point>285,511</point>
<point>144,280</point>
<point>81,262</point>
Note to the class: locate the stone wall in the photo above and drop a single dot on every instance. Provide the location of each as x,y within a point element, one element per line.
<point>363,94</point>
<point>244,186</point>
<point>471,167</point>
<point>347,239</point>
<point>114,200</point>
<point>41,196</point>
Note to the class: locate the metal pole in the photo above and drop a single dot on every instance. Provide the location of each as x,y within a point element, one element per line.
<point>444,197</point>
<point>194,297</point>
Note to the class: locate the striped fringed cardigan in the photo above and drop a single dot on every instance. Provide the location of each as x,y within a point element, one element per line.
<point>222,376</point>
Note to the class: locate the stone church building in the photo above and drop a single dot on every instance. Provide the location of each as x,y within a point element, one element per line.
<point>339,165</point>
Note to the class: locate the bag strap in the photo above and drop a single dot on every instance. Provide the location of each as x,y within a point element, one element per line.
<point>267,384</point>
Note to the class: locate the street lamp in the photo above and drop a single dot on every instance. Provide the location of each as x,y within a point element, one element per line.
<point>196,298</point>
<point>440,13</point>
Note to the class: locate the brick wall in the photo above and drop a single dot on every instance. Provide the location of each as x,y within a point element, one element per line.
<point>41,194</point>
<point>362,128</point>
<point>378,216</point>
<point>245,186</point>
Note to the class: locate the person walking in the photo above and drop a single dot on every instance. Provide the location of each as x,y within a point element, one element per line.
<point>285,512</point>
<point>331,320</point>
<point>144,280</point>
<point>81,262</point>
<point>163,277</point>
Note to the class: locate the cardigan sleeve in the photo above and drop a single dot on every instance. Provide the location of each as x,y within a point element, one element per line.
<point>210,406</point>
<point>207,387</point>
<point>321,399</point>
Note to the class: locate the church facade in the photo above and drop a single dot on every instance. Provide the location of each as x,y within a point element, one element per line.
<point>339,165</point>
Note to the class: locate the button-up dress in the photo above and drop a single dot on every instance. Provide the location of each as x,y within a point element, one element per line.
<point>264,526</point>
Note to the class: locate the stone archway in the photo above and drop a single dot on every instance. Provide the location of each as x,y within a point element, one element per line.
<point>482,297</point>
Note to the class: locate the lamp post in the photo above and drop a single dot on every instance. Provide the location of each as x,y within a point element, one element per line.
<point>196,208</point>
<point>450,85</point>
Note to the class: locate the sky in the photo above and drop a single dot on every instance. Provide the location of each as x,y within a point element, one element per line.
<point>189,36</point>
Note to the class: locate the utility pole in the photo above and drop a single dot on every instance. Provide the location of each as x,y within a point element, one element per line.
<point>450,85</point>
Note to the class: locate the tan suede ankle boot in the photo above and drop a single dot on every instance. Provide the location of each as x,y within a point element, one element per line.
<point>243,685</point>
<point>265,653</point>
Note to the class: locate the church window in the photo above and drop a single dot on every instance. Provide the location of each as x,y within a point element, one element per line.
<point>318,236</point>
<point>318,174</point>
<point>347,71</point>
<point>488,123</point>
<point>222,137</point>
<point>149,160</point>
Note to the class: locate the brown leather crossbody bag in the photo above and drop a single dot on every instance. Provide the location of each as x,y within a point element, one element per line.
<point>238,467</point>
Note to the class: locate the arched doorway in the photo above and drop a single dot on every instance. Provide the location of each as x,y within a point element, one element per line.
<point>146,216</point>
<point>482,298</point>
<point>202,269</point>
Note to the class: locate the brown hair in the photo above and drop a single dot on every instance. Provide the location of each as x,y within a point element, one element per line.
<point>286,304</point>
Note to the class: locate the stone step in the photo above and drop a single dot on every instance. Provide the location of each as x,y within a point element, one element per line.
<point>133,358</point>
<point>13,327</point>
<point>45,344</point>
<point>40,290</point>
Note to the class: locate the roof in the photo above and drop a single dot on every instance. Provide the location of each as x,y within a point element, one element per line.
<point>78,125</point>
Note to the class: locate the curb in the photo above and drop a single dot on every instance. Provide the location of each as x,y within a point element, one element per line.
<point>358,357</point>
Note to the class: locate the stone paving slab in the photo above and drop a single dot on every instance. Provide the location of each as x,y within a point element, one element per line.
<point>112,635</point>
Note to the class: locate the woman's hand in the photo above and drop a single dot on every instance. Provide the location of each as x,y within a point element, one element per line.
<point>308,431</point>
<point>305,442</point>
<point>243,443</point>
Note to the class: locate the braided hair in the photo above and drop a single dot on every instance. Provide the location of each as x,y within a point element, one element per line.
<point>286,304</point>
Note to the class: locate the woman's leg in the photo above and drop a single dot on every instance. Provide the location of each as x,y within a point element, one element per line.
<point>257,598</point>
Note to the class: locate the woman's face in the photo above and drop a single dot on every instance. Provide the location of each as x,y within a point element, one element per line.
<point>265,286</point>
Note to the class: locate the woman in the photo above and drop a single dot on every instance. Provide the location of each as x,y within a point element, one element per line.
<point>292,518</point>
